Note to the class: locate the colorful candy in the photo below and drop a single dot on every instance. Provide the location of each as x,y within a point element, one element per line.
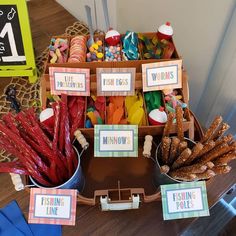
<point>130,46</point>
<point>113,53</point>
<point>78,49</point>
<point>95,51</point>
<point>58,50</point>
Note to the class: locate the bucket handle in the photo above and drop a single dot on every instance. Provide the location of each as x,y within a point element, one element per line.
<point>105,193</point>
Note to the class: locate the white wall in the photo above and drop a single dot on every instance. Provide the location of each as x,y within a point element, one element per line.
<point>198,30</point>
<point>76,8</point>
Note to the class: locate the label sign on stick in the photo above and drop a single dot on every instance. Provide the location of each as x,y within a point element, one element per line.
<point>71,81</point>
<point>116,141</point>
<point>162,75</point>
<point>115,81</point>
<point>52,206</point>
<point>184,200</point>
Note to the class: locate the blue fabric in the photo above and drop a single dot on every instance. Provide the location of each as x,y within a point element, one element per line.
<point>12,223</point>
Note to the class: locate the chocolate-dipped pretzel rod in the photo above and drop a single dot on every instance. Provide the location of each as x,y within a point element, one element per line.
<point>224,127</point>
<point>180,161</point>
<point>196,168</point>
<point>179,122</point>
<point>168,125</point>
<point>182,146</point>
<point>195,151</point>
<point>205,175</point>
<point>173,150</point>
<point>165,148</point>
<point>226,139</point>
<point>225,159</point>
<point>221,169</point>
<point>217,152</point>
<point>206,148</point>
<point>213,127</point>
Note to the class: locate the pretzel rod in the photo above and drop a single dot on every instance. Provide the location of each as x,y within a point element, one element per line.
<point>206,148</point>
<point>210,165</point>
<point>205,175</point>
<point>221,169</point>
<point>193,169</point>
<point>164,169</point>
<point>182,146</point>
<point>168,125</point>
<point>226,139</point>
<point>179,122</point>
<point>213,127</point>
<point>217,152</point>
<point>173,150</point>
<point>183,176</point>
<point>224,127</point>
<point>225,159</point>
<point>166,141</point>
<point>180,161</point>
<point>195,151</point>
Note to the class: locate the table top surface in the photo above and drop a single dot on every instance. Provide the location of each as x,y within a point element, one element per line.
<point>91,220</point>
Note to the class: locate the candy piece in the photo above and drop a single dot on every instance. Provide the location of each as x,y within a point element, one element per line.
<point>179,122</point>
<point>213,127</point>
<point>205,175</point>
<point>173,150</point>
<point>134,108</point>
<point>129,101</point>
<point>165,147</point>
<point>195,151</point>
<point>180,161</point>
<point>168,125</point>
<point>137,117</point>
<point>99,55</point>
<point>92,117</point>
<point>88,124</point>
<point>130,46</point>
<point>221,169</point>
<point>118,114</point>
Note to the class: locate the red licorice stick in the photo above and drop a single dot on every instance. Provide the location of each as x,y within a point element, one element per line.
<point>15,170</point>
<point>46,128</point>
<point>53,173</point>
<point>76,123</point>
<point>62,127</point>
<point>28,151</point>
<point>9,120</point>
<point>56,128</point>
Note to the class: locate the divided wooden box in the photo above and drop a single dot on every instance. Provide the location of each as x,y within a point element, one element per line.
<point>143,130</point>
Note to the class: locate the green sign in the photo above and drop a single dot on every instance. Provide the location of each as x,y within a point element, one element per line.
<point>116,141</point>
<point>16,48</point>
<point>184,200</point>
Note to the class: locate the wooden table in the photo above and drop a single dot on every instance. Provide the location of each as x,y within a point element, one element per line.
<point>44,17</point>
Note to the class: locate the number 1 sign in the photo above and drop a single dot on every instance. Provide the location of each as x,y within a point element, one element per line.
<point>16,49</point>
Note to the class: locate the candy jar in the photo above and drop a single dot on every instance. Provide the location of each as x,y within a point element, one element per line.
<point>112,37</point>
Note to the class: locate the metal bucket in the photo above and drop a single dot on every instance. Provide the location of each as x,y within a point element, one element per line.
<point>77,180</point>
<point>160,178</point>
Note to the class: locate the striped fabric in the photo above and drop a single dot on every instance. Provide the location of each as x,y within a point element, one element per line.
<point>71,193</point>
<point>200,204</point>
<point>107,141</point>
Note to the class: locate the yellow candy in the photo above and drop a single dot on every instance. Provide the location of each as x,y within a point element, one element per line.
<point>137,117</point>
<point>99,55</point>
<point>92,117</point>
<point>95,46</point>
<point>134,108</point>
<point>129,102</point>
<point>99,42</point>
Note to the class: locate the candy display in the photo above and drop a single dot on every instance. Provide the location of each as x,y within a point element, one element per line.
<point>113,53</point>
<point>95,51</point>
<point>130,46</point>
<point>58,50</point>
<point>95,111</point>
<point>185,161</point>
<point>77,49</point>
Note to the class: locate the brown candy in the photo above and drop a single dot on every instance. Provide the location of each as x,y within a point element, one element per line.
<point>179,122</point>
<point>168,125</point>
<point>180,161</point>
<point>221,169</point>
<point>173,150</point>
<point>195,151</point>
<point>213,127</point>
<point>165,147</point>
<point>205,175</point>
